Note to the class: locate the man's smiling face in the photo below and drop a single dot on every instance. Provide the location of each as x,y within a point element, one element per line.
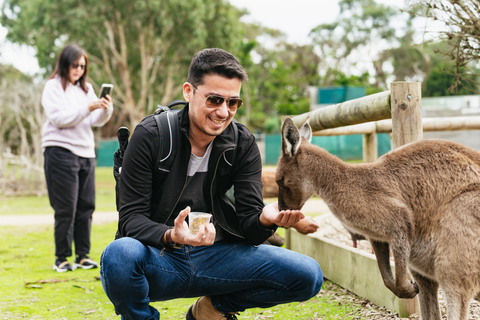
<point>207,122</point>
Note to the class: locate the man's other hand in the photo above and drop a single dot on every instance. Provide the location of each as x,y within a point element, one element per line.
<point>181,232</point>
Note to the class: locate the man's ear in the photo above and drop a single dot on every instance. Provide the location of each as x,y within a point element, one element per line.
<point>187,91</point>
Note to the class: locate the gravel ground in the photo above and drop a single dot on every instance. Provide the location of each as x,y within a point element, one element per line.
<point>331,228</point>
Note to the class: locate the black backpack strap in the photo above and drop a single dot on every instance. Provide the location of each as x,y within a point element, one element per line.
<point>176,103</point>
<point>169,106</point>
<point>168,130</point>
<point>168,133</point>
<point>167,124</point>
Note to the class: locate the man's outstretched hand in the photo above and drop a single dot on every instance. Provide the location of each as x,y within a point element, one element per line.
<point>306,225</point>
<point>286,218</point>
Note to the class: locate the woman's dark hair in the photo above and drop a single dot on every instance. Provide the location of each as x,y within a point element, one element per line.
<point>216,61</point>
<point>69,55</point>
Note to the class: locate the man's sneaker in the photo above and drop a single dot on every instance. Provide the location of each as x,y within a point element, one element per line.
<point>276,240</point>
<point>203,309</point>
<point>84,262</point>
<point>62,265</point>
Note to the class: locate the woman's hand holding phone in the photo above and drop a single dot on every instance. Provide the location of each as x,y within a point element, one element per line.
<point>104,101</point>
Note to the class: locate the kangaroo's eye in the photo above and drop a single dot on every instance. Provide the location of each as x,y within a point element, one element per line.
<point>280,182</point>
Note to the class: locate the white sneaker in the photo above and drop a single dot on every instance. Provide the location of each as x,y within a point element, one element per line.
<point>84,262</point>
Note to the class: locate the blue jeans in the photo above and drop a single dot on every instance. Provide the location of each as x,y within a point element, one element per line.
<point>237,276</point>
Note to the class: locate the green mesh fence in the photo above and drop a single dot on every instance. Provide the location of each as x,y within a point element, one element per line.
<point>338,94</point>
<point>345,147</point>
<point>105,150</point>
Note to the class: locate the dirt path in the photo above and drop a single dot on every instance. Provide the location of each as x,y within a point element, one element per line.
<point>311,206</point>
<point>42,219</point>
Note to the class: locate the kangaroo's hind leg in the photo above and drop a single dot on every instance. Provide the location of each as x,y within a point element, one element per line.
<point>457,264</point>
<point>457,303</point>
<point>428,297</point>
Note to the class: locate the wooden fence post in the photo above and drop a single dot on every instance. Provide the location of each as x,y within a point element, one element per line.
<point>406,127</point>
<point>406,100</point>
<point>288,239</point>
<point>369,145</point>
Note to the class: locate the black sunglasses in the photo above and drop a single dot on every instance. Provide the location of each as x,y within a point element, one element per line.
<point>215,101</point>
<point>76,65</point>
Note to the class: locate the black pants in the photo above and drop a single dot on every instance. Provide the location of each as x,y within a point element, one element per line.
<point>71,190</point>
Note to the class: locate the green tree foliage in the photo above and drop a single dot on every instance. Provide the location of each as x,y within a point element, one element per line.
<point>18,112</point>
<point>9,73</point>
<point>279,76</point>
<point>441,75</point>
<point>341,79</point>
<point>364,37</point>
<point>360,26</point>
<point>21,120</point>
<point>457,25</point>
<point>439,80</point>
<point>279,82</point>
<point>142,47</point>
<point>410,61</point>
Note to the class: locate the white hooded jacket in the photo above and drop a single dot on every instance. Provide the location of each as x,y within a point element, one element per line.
<point>69,122</point>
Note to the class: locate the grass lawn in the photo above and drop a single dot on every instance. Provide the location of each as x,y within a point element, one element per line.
<point>32,290</point>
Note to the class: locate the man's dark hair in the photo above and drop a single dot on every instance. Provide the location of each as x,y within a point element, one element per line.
<point>216,61</point>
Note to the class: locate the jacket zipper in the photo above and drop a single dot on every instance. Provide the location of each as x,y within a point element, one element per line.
<point>211,193</point>
<point>180,196</point>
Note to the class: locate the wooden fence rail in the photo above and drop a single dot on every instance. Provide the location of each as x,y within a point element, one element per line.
<point>370,108</point>
<point>385,126</point>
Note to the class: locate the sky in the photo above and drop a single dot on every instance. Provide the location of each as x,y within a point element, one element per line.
<point>294,17</point>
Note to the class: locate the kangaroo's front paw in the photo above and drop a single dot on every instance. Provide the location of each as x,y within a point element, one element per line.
<point>409,292</point>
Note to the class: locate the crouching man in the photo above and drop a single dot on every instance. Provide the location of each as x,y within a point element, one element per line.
<point>226,264</point>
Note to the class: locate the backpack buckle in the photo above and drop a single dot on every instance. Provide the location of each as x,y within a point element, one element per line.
<point>161,109</point>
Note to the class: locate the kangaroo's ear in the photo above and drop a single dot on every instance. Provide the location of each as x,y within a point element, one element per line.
<point>290,138</point>
<point>306,130</point>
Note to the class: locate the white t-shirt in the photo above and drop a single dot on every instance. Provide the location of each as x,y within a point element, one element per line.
<point>69,122</point>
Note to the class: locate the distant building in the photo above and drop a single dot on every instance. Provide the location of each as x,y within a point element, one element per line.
<point>451,106</point>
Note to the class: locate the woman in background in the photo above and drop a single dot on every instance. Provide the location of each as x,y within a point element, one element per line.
<point>72,108</point>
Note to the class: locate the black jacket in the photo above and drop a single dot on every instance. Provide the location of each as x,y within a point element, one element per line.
<point>147,203</point>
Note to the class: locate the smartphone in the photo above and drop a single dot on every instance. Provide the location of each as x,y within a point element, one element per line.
<point>105,89</point>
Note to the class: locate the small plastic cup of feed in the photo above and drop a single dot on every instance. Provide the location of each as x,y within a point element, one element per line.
<point>196,219</point>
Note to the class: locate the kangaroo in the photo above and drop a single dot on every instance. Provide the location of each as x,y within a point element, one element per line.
<point>421,201</point>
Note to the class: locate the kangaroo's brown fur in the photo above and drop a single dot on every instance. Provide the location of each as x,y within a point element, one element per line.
<point>421,201</point>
